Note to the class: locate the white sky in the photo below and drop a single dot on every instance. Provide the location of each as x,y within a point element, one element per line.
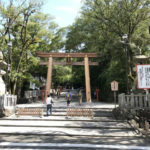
<point>64,11</point>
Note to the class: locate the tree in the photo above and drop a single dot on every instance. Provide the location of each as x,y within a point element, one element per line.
<point>14,19</point>
<point>29,30</point>
<point>119,17</point>
<point>100,28</point>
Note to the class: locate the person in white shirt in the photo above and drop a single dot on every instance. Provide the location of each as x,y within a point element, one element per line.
<point>49,102</point>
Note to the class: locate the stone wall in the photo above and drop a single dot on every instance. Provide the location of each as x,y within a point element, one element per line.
<point>7,104</point>
<point>136,110</point>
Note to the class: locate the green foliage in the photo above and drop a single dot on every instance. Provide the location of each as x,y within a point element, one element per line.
<point>29,30</point>
<point>61,75</point>
<point>100,28</point>
<point>78,76</point>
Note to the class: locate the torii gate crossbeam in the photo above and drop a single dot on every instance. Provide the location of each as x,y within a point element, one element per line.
<point>63,55</point>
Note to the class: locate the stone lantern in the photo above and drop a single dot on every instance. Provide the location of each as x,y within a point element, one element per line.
<point>3,64</point>
<point>141,59</point>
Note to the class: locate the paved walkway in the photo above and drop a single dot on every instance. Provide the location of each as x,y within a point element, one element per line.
<point>58,132</point>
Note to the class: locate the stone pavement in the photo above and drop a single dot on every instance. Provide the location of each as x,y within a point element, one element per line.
<point>58,132</point>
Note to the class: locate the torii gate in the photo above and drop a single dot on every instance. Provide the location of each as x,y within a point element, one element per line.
<point>86,64</point>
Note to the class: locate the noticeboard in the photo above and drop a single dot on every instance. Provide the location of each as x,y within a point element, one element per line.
<point>143,76</point>
<point>114,86</point>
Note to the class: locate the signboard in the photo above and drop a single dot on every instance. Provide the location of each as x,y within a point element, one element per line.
<point>143,76</point>
<point>114,86</point>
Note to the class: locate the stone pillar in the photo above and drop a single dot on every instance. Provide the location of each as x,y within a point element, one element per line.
<point>87,79</point>
<point>2,85</point>
<point>49,75</point>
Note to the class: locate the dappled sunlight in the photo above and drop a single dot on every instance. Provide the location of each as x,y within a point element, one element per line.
<point>58,128</point>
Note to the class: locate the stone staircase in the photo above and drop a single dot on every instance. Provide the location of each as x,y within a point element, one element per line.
<point>58,132</point>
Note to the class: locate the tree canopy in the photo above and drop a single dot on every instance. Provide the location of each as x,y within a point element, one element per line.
<point>99,29</point>
<point>28,30</point>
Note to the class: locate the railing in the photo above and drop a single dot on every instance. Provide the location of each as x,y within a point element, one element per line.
<point>134,101</point>
<point>33,93</point>
<point>8,100</point>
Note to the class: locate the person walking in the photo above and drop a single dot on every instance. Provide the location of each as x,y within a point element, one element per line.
<point>68,97</point>
<point>49,102</point>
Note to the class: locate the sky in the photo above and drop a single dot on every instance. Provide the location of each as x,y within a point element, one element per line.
<point>64,11</point>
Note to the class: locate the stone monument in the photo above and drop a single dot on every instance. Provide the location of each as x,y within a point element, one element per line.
<point>7,101</point>
<point>3,64</point>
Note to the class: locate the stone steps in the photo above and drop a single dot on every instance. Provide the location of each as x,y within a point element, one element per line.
<point>80,142</point>
<point>70,146</point>
<point>99,114</point>
<point>66,131</point>
<point>66,124</point>
<point>74,139</point>
<point>62,118</point>
<point>57,130</point>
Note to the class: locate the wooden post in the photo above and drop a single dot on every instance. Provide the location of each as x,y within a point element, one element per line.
<point>132,101</point>
<point>121,99</point>
<point>148,100</point>
<point>49,76</point>
<point>140,101</point>
<point>115,98</point>
<point>136,101</point>
<point>87,79</point>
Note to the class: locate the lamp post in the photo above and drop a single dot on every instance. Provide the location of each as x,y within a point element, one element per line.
<point>9,44</point>
<point>125,37</point>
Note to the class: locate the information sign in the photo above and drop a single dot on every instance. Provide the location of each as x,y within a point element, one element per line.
<point>143,76</point>
<point>114,86</point>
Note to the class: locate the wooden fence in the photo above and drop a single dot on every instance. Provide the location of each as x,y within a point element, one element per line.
<point>134,101</point>
<point>8,101</point>
<point>80,112</point>
<point>29,112</point>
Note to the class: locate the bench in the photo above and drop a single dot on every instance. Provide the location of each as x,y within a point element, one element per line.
<point>79,112</point>
<point>29,112</point>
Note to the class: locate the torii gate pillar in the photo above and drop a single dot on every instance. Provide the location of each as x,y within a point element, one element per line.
<point>87,79</point>
<point>49,76</point>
